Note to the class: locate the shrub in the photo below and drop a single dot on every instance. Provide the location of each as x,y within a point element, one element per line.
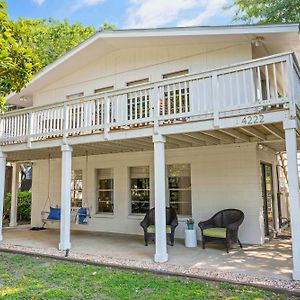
<point>23,208</point>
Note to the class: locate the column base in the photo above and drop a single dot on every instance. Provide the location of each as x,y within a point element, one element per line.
<point>161,258</point>
<point>296,274</point>
<point>13,224</point>
<point>1,237</point>
<point>64,246</point>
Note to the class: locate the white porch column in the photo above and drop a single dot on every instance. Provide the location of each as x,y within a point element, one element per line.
<point>14,195</point>
<point>293,184</point>
<point>66,177</point>
<point>161,254</point>
<point>2,185</point>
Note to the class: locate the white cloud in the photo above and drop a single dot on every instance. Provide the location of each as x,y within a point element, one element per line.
<point>39,2</point>
<point>157,13</point>
<point>78,4</point>
<point>212,8</point>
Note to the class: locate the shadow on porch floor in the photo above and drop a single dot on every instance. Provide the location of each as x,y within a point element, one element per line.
<point>272,260</point>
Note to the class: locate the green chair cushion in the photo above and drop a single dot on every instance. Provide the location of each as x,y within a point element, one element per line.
<point>215,232</point>
<point>151,229</point>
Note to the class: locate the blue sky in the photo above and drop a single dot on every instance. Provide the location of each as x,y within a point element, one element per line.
<point>125,13</point>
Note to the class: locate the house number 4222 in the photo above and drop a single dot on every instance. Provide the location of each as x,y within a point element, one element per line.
<point>252,120</point>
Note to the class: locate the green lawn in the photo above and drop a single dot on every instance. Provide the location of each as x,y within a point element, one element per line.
<point>27,277</point>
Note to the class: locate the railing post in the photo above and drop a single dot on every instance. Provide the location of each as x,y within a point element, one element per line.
<point>2,185</point>
<point>106,116</point>
<point>30,126</point>
<point>291,85</point>
<point>1,129</point>
<point>215,93</point>
<point>155,107</point>
<point>66,120</point>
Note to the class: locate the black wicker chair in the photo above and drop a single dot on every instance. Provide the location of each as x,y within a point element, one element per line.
<point>148,224</point>
<point>223,226</point>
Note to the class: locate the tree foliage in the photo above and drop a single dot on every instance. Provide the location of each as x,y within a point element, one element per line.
<point>27,45</point>
<point>50,39</point>
<point>17,62</point>
<point>267,11</point>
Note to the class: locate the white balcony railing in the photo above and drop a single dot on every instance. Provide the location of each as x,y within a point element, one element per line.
<point>261,84</point>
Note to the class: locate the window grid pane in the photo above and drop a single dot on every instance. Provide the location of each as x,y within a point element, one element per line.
<point>139,189</point>
<point>105,191</point>
<point>179,188</point>
<point>76,188</point>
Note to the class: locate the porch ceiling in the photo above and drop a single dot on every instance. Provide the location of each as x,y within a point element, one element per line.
<point>271,135</point>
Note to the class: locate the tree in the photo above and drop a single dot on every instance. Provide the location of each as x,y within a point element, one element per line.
<point>17,62</point>
<point>50,39</point>
<point>267,11</point>
<point>26,46</point>
<point>106,26</point>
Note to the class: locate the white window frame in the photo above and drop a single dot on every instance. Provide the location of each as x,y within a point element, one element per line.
<point>179,189</point>
<point>131,189</point>
<point>98,190</point>
<point>74,189</point>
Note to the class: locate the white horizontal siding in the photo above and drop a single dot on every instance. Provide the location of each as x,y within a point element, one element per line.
<point>126,65</point>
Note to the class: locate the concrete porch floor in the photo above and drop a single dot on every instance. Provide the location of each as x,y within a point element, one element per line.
<point>272,260</point>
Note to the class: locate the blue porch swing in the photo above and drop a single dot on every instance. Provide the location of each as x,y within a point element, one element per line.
<point>82,214</point>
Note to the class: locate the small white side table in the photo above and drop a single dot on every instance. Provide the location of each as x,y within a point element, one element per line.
<point>190,238</point>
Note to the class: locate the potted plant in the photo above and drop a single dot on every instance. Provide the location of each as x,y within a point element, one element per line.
<point>190,223</point>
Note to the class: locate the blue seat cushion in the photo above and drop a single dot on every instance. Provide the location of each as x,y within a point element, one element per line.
<point>54,213</point>
<point>82,214</point>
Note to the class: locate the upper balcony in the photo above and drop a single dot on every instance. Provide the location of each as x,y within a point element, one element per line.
<point>254,89</point>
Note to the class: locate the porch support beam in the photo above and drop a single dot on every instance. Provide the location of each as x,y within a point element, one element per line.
<point>221,136</point>
<point>161,254</point>
<point>66,177</point>
<point>254,132</point>
<point>2,185</point>
<point>14,195</point>
<point>236,134</point>
<point>290,127</point>
<point>274,130</point>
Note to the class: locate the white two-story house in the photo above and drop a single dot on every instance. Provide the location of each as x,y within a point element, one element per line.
<point>191,118</point>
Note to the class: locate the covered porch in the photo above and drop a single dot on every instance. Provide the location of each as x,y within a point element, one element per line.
<point>258,264</point>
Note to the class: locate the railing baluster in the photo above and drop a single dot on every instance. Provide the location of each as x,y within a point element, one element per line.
<point>169,99</point>
<point>259,85</point>
<point>238,98</point>
<point>275,82</point>
<point>185,97</point>
<point>267,82</point>
<point>283,82</point>
<point>244,89</point>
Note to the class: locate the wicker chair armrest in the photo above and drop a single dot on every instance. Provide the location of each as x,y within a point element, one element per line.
<point>205,224</point>
<point>144,224</point>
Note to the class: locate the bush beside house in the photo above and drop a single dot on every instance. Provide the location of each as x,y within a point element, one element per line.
<point>24,207</point>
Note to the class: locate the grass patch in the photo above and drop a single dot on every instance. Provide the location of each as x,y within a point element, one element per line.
<point>28,277</point>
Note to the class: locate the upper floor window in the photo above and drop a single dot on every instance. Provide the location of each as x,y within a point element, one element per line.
<point>176,97</point>
<point>179,188</point>
<point>138,103</point>
<point>74,96</point>
<point>137,82</point>
<point>105,191</point>
<point>139,189</point>
<point>104,89</point>
<point>76,188</point>
<point>175,74</point>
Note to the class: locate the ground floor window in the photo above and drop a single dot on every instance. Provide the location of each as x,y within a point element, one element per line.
<point>76,188</point>
<point>179,188</point>
<point>139,189</point>
<point>105,191</point>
